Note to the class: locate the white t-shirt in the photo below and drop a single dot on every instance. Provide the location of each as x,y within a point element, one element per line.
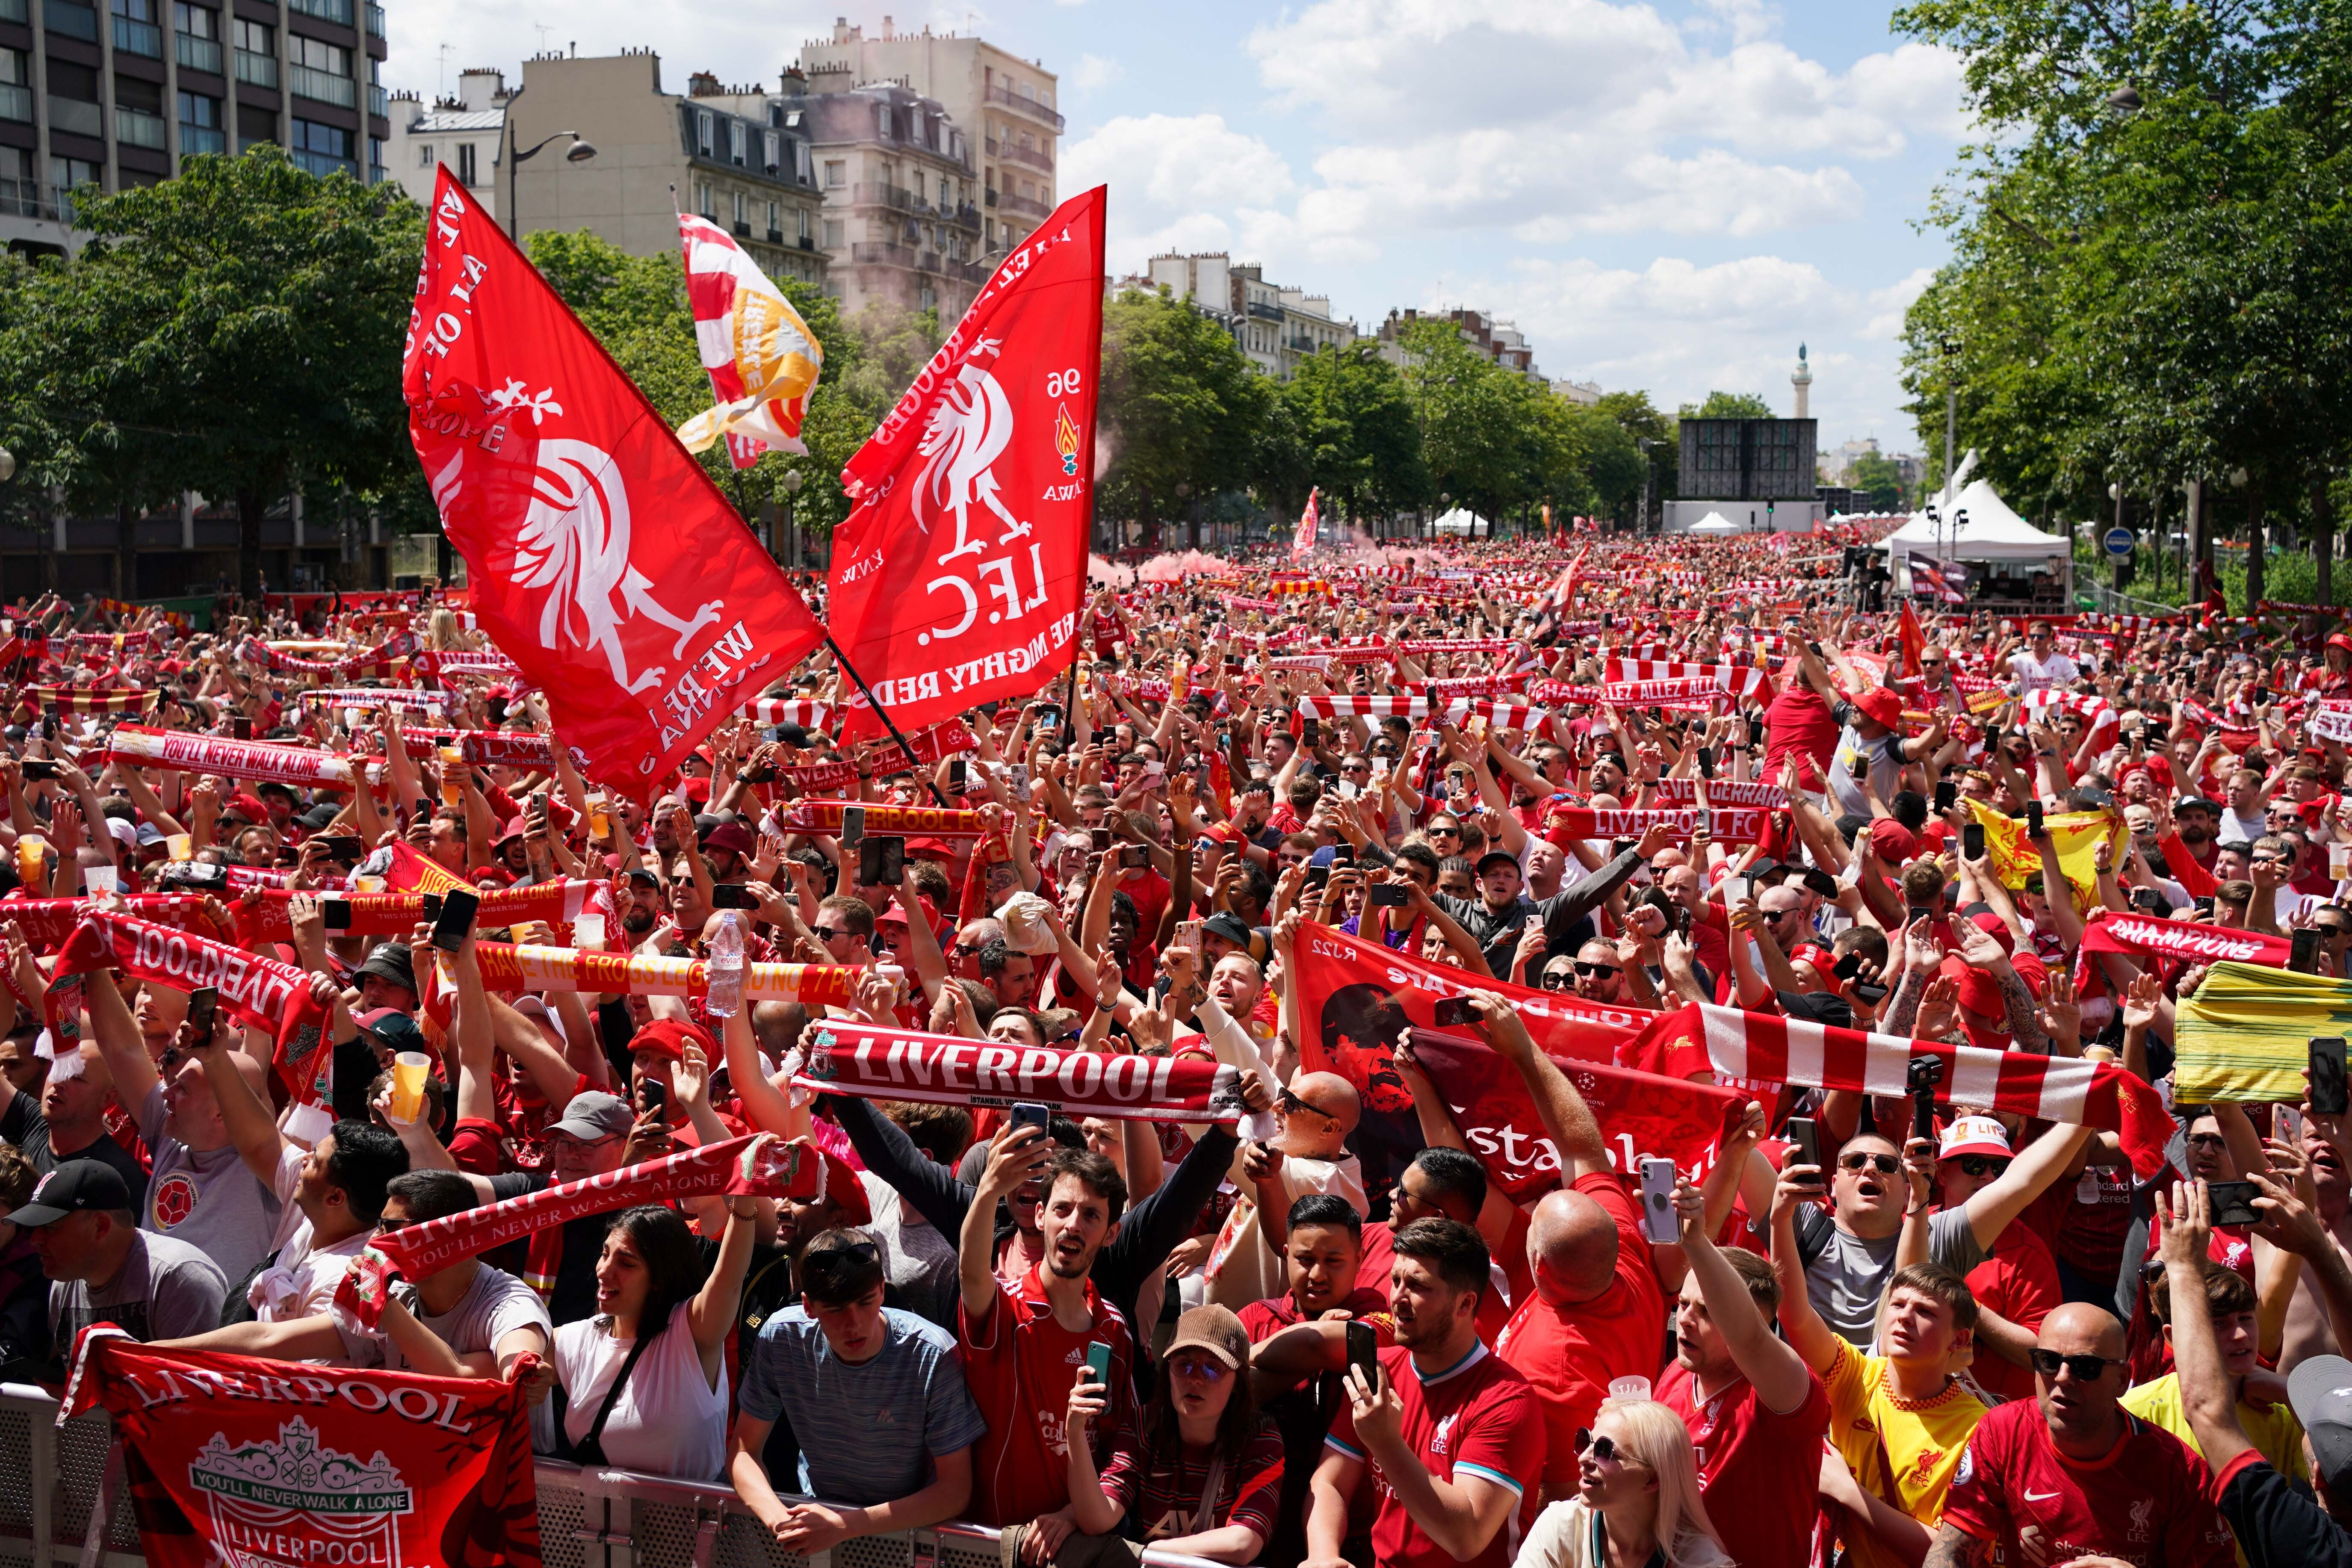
<point>301,1282</point>
<point>671,1419</point>
<point>2034,676</point>
<point>493,1307</point>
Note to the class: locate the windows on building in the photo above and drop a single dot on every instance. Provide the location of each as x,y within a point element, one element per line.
<point>833,233</point>
<point>735,139</point>
<point>704,203</point>
<point>466,165</point>
<point>322,148</point>
<point>425,156</point>
<point>770,150</point>
<point>201,130</point>
<point>743,211</point>
<point>706,130</point>
<point>836,174</point>
<point>775,227</point>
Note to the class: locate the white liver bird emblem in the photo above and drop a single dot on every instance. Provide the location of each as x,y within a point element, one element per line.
<point>575,548</point>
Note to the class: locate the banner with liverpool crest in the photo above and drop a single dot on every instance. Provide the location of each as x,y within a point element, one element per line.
<point>256,1464</point>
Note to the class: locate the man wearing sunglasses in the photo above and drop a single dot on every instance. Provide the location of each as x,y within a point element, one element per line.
<point>1849,1253</point>
<point>2075,1473</point>
<point>875,1396</point>
<point>2017,1284</point>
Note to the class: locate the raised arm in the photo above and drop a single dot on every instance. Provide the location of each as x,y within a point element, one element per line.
<point>1019,1153</point>
<point>1771,1364</point>
<point>1567,1120</point>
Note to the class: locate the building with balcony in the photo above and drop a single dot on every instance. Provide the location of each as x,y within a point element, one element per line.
<point>902,222</point>
<point>1499,341</point>
<point>1006,101</point>
<point>726,152</point>
<point>1583,392</point>
<point>1274,327</point>
<point>466,132</point>
<point>116,95</point>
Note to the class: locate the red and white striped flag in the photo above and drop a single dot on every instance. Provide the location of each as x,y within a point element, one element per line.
<point>1304,540</point>
<point>1768,1048</point>
<point>764,360</point>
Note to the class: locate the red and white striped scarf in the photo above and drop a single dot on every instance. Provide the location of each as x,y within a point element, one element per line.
<point>1773,1049</point>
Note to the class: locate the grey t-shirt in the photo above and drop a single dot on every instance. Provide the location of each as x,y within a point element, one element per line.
<point>916,1258</point>
<point>1845,1275</point>
<point>867,1432</point>
<point>210,1200</point>
<point>1882,758</point>
<point>167,1291</point>
<point>494,1306</point>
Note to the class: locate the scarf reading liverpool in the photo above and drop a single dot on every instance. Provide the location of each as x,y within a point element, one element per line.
<point>875,1063</point>
<point>260,992</point>
<point>235,1459</point>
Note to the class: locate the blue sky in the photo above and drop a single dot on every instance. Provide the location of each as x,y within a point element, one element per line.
<point>1667,197</point>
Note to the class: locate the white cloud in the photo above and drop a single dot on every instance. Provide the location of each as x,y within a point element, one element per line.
<point>1093,72</point>
<point>1186,182</point>
<point>1889,304</point>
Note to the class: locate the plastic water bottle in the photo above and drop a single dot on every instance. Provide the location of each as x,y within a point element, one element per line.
<point>726,997</point>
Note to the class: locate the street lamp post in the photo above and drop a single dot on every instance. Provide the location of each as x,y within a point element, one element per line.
<point>579,151</point>
<point>1641,523</point>
<point>1951,419</point>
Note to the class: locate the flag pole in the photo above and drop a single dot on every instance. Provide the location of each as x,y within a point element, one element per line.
<point>913,761</point>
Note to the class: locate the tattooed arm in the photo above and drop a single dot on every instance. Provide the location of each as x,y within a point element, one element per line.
<point>1956,1548</point>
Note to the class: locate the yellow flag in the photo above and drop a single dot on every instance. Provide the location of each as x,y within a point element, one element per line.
<point>2246,1034</point>
<point>2076,834</point>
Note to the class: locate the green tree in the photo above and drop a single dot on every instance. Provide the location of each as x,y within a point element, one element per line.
<point>1633,412</point>
<point>1348,416</point>
<point>1879,480</point>
<point>236,331</point>
<point>1179,406</point>
<point>1728,405</point>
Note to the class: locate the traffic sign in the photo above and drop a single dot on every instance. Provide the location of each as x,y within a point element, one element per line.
<point>2118,540</point>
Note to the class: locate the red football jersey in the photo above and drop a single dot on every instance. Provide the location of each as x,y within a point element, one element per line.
<point>2148,1501</point>
<point>1476,1417</point>
<point>1758,1471</point>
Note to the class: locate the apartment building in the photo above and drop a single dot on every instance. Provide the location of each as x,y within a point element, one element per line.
<point>1004,101</point>
<point>730,154</point>
<point>1499,341</point>
<point>1274,327</point>
<point>116,96</point>
<point>902,215</point>
<point>466,132</point>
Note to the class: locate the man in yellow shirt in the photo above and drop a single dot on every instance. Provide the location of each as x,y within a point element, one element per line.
<point>1900,1422</point>
<point>2273,1429</point>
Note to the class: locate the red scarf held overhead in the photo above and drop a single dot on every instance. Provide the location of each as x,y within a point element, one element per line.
<point>758,1164</point>
<point>260,992</point>
<point>876,1063</point>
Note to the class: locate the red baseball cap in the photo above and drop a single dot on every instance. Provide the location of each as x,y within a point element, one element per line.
<point>669,1038</point>
<point>1881,707</point>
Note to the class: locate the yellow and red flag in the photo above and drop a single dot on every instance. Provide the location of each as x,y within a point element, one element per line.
<point>764,360</point>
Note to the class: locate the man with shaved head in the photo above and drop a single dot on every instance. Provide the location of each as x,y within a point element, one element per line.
<point>2071,1477</point>
<point>1595,1312</point>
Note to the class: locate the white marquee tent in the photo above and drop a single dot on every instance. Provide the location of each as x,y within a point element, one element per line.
<point>1980,527</point>
<point>1464,521</point>
<point>1714,522</point>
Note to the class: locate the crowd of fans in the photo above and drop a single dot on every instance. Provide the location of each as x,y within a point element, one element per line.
<point>1992,1341</point>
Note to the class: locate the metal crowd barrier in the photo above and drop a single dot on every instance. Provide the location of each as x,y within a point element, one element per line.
<point>598,1517</point>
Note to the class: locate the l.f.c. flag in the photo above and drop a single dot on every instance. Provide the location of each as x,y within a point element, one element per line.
<point>1304,540</point>
<point>957,575</point>
<point>233,1459</point>
<point>764,360</point>
<point>599,554</point>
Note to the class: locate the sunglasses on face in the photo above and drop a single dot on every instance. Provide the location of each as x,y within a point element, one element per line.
<point>828,934</point>
<point>1557,980</point>
<point>1588,969</point>
<point>1603,1448</point>
<point>1291,1105</point>
<point>2086,1368</point>
<point>1445,832</point>
<point>1887,1164</point>
<point>1982,1164</point>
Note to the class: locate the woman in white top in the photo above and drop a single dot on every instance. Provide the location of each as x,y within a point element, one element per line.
<point>670,1417</point>
<point>1637,1501</point>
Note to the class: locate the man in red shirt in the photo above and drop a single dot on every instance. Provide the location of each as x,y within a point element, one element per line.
<point>1445,1433</point>
<point>1024,1347</point>
<point>1594,1312</point>
<point>2073,1476</point>
<point>1755,1412</point>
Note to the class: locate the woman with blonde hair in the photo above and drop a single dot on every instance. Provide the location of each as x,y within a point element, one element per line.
<point>444,633</point>
<point>1637,1501</point>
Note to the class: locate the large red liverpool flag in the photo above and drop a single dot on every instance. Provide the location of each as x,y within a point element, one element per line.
<point>957,576</point>
<point>599,554</point>
<point>1356,997</point>
<point>236,1461</point>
